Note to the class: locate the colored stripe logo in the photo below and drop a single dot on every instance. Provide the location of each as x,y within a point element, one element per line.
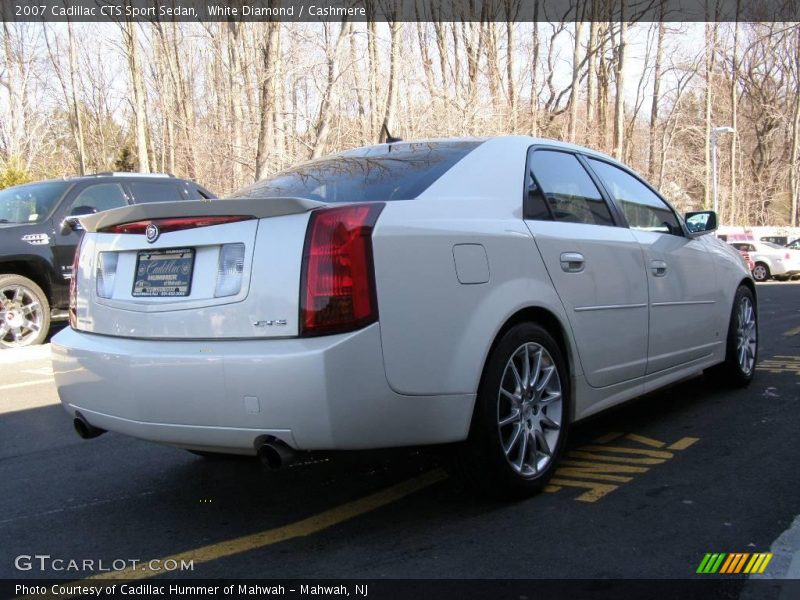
<point>734,563</point>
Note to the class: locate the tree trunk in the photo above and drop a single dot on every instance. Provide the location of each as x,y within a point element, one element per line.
<point>590,73</point>
<point>322,129</point>
<point>267,103</point>
<point>388,127</point>
<point>653,132</point>
<point>734,115</point>
<point>576,72</point>
<point>76,112</point>
<point>373,73</point>
<point>534,74</point>
<point>360,98</point>
<point>711,39</point>
<point>794,179</point>
<point>619,100</point>
<point>137,85</point>
<point>235,103</point>
<point>511,48</point>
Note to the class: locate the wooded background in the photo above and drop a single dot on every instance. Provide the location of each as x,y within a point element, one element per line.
<point>227,103</point>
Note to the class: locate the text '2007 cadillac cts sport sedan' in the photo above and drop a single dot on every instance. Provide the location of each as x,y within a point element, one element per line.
<point>485,292</point>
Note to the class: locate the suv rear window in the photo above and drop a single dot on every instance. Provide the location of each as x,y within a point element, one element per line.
<point>399,171</point>
<point>152,191</point>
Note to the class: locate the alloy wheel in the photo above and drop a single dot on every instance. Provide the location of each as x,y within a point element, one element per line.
<point>746,335</point>
<point>21,316</point>
<point>530,409</point>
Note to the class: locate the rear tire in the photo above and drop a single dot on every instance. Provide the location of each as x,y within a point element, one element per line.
<point>521,417</point>
<point>741,351</point>
<point>24,312</point>
<point>761,272</point>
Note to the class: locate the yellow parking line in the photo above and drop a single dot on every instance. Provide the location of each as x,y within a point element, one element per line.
<point>11,386</point>
<point>794,331</point>
<point>305,527</point>
<point>645,441</point>
<point>683,443</point>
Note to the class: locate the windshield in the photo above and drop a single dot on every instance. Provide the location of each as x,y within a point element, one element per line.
<point>29,203</point>
<point>399,171</point>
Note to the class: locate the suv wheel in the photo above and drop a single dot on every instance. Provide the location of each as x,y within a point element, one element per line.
<point>24,312</point>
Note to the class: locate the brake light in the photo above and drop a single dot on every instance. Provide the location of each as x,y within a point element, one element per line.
<point>73,286</point>
<point>788,256</point>
<point>337,282</point>
<point>173,224</point>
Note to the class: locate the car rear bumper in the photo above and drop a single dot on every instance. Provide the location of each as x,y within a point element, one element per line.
<point>316,393</point>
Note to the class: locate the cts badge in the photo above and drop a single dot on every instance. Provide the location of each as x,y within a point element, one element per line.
<point>151,233</point>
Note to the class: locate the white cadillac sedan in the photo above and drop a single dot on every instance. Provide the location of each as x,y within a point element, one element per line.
<point>487,293</point>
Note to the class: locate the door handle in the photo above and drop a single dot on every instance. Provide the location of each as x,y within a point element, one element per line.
<point>572,262</point>
<point>658,267</point>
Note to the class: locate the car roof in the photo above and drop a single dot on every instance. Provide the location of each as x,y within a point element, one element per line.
<point>510,141</point>
<point>111,176</point>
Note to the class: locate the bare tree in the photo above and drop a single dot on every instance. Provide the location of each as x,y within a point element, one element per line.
<point>131,44</point>
<point>322,129</point>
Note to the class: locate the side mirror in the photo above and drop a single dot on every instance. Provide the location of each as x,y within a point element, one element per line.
<point>701,222</point>
<point>72,222</point>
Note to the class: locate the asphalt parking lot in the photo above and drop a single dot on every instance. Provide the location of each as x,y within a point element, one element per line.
<point>646,491</point>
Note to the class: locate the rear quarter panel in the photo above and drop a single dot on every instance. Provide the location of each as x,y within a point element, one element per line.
<point>436,331</point>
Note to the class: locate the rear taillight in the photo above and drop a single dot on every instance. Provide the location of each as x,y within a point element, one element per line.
<point>337,283</point>
<point>73,286</point>
<point>788,256</point>
<point>173,224</point>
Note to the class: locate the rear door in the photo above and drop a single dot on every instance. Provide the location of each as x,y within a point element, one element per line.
<point>596,266</point>
<point>685,320</point>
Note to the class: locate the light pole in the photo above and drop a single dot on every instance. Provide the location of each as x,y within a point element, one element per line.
<point>714,132</point>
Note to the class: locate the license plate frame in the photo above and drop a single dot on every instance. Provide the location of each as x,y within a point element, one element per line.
<point>181,271</point>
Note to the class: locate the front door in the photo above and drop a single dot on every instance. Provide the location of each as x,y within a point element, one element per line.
<point>684,317</point>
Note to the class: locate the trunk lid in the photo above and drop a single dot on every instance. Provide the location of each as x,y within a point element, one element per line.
<point>194,282</point>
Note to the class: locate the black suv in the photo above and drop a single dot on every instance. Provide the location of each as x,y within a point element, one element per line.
<point>39,231</point>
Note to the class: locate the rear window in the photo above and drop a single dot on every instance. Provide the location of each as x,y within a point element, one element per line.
<point>399,171</point>
<point>151,191</point>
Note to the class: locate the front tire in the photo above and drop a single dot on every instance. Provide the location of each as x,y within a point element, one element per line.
<point>741,351</point>
<point>522,413</point>
<point>761,272</point>
<point>24,312</point>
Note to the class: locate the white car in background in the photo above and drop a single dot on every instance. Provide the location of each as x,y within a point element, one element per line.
<point>771,260</point>
<point>487,293</point>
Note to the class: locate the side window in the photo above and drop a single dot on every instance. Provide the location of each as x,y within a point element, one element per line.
<point>155,191</point>
<point>643,209</point>
<point>97,198</point>
<point>559,188</point>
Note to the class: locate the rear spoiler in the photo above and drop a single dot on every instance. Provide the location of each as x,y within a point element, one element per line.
<point>252,207</point>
